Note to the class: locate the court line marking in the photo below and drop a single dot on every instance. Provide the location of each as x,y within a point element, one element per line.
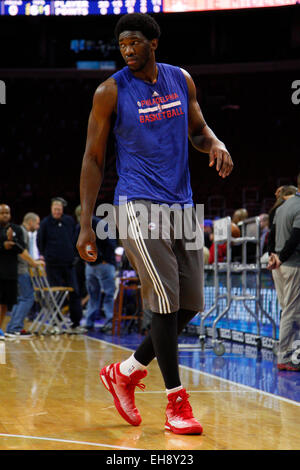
<point>200,391</point>
<point>53,439</point>
<point>246,387</point>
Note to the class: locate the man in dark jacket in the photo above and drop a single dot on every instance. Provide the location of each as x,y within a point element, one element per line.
<point>56,243</point>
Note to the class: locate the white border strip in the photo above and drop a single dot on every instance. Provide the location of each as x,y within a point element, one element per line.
<point>200,391</point>
<point>164,304</point>
<point>134,225</point>
<point>163,106</point>
<point>245,387</point>
<point>53,439</point>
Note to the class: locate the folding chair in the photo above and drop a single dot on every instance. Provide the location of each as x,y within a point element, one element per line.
<point>127,284</point>
<point>51,300</point>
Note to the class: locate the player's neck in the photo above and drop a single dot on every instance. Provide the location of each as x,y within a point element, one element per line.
<point>149,73</point>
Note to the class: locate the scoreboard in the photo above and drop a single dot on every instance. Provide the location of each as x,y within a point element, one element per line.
<point>78,7</point>
<point>117,7</point>
<point>172,6</point>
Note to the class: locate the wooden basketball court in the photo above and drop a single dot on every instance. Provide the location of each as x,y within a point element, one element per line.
<point>51,398</point>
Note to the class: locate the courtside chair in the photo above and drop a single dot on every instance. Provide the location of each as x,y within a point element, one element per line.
<point>127,285</point>
<point>50,319</point>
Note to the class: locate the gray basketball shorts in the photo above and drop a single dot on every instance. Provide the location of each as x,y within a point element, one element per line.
<point>165,248</point>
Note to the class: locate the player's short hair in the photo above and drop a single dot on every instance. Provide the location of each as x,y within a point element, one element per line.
<point>138,22</point>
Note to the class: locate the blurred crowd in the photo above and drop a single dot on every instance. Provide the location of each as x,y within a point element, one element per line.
<point>50,245</point>
<point>281,194</point>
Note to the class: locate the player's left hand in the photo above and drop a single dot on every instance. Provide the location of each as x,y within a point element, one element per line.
<point>219,154</point>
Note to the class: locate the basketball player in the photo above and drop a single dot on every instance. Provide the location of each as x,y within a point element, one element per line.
<point>156,112</point>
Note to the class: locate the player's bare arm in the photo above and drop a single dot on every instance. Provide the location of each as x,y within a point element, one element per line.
<point>92,171</point>
<point>202,137</point>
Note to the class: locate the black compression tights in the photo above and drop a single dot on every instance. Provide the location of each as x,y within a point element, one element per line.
<point>162,343</point>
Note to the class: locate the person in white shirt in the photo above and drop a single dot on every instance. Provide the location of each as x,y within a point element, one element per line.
<point>15,328</point>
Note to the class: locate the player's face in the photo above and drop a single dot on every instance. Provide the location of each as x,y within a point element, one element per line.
<point>4,214</point>
<point>136,50</point>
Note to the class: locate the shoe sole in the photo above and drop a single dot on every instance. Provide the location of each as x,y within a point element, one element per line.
<point>105,380</point>
<point>190,430</point>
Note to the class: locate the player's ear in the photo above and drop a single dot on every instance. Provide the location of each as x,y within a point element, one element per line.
<point>154,44</point>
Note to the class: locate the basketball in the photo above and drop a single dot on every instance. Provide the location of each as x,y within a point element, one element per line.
<point>235,231</point>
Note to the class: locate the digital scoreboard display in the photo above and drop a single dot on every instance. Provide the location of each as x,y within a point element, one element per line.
<point>78,7</point>
<point>172,6</point>
<point>117,7</point>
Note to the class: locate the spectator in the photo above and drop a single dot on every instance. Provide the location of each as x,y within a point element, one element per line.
<point>56,243</point>
<point>32,241</point>
<point>281,194</point>
<point>264,231</point>
<point>15,328</point>
<point>119,252</point>
<point>239,215</point>
<point>284,261</point>
<point>11,245</point>
<point>208,233</point>
<point>100,277</point>
<point>206,255</point>
<point>222,247</point>
<point>236,254</point>
<point>222,252</point>
<point>278,191</point>
<point>34,253</point>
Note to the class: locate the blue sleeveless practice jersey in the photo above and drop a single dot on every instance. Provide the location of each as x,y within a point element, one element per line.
<point>151,133</point>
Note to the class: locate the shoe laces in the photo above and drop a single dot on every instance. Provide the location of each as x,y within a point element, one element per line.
<point>136,383</point>
<point>182,406</point>
<point>139,385</point>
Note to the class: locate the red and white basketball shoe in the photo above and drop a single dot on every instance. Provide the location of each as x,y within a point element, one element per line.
<point>179,414</point>
<point>122,389</point>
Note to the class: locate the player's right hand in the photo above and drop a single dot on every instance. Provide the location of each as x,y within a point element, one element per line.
<point>86,244</point>
<point>219,154</point>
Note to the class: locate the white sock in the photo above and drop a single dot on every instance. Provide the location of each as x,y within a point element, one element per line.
<point>173,390</point>
<point>131,365</point>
